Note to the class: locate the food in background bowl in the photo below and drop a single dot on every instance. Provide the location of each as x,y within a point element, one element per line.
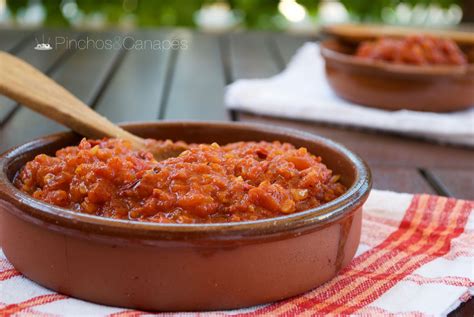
<point>395,85</point>
<point>414,50</point>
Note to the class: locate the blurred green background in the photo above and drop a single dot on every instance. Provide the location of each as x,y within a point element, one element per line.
<point>229,14</point>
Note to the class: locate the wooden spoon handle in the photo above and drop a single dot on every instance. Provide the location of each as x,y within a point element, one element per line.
<point>30,87</point>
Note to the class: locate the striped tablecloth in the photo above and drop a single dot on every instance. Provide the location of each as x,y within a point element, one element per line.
<point>416,258</point>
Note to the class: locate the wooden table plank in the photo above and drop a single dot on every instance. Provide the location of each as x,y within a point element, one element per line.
<point>251,56</point>
<point>84,74</point>
<point>400,179</point>
<point>10,39</point>
<point>198,82</point>
<point>43,60</point>
<point>135,92</point>
<point>460,182</point>
<point>286,45</point>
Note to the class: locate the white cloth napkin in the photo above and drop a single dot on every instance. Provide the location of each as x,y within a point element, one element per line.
<point>415,258</point>
<point>302,92</point>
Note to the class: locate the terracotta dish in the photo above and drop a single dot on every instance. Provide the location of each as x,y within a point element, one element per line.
<point>183,267</point>
<point>379,84</point>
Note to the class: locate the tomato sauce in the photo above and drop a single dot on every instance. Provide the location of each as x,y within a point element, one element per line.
<point>415,50</point>
<point>206,183</point>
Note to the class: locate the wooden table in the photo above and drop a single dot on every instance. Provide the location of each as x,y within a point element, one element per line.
<point>188,83</point>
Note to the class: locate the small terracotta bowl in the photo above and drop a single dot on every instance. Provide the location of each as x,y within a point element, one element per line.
<point>393,86</point>
<point>175,267</point>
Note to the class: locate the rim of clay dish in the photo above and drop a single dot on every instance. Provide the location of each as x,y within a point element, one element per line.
<point>329,53</point>
<point>40,212</point>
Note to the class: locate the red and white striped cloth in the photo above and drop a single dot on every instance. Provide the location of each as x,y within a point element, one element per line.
<point>416,258</point>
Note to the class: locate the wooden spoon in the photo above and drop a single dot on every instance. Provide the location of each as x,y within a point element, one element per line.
<point>25,84</point>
